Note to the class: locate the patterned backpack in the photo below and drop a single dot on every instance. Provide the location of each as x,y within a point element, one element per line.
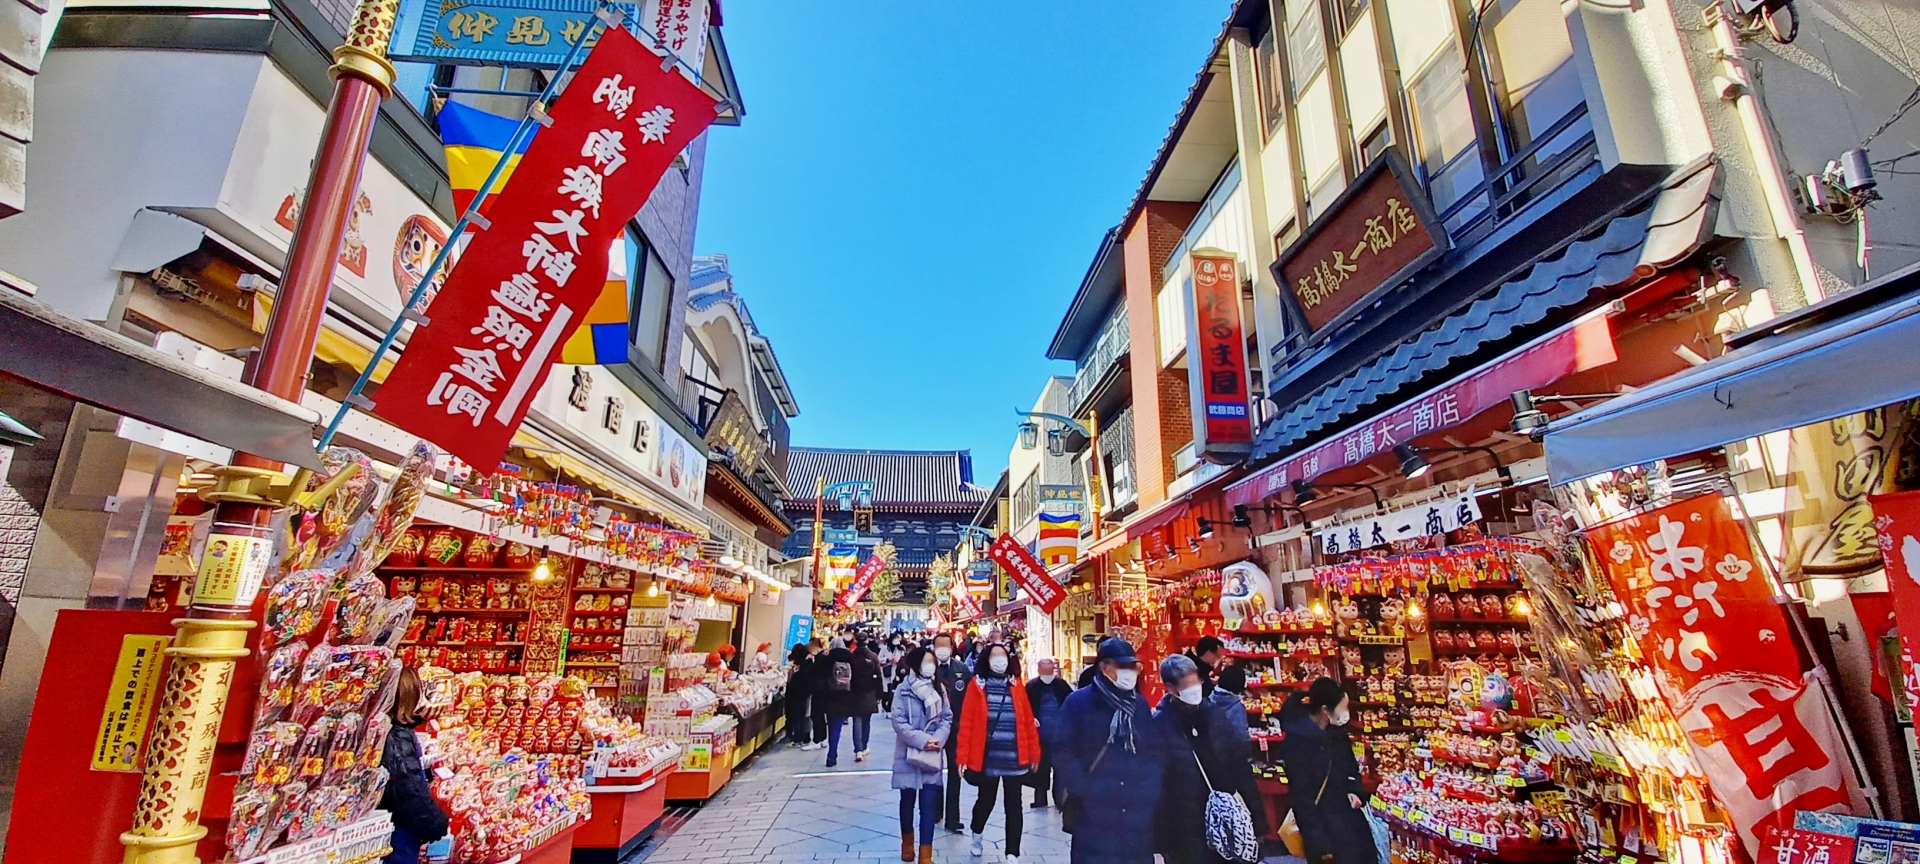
<point>1229,823</point>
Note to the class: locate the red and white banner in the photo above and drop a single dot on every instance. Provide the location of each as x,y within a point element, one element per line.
<point>1724,656</point>
<point>1041,590</point>
<point>1896,519</point>
<point>524,284</point>
<point>862,580</point>
<point>1217,374</point>
<point>1577,348</point>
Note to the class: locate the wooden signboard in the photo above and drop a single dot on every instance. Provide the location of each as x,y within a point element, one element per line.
<point>1377,233</point>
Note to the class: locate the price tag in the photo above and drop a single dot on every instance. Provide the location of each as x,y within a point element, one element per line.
<point>1608,762</point>
<point>1512,780</point>
<point>1476,838</point>
<point>1457,835</point>
<point>443,772</point>
<point>1397,811</point>
<point>1563,736</point>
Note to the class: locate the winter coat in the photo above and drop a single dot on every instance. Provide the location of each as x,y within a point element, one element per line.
<point>800,674</point>
<point>1320,765</point>
<point>406,796</point>
<point>864,697</point>
<point>953,677</point>
<point>1048,716</point>
<point>1180,825</point>
<point>1114,801</point>
<point>974,722</point>
<point>913,726</point>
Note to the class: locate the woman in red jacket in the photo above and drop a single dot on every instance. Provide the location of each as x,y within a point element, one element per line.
<point>999,744</point>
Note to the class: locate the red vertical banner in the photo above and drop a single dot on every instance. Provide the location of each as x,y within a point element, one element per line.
<point>1219,353</point>
<point>1896,519</point>
<point>1012,555</point>
<point>1723,652</point>
<point>526,282</point>
<point>862,580</point>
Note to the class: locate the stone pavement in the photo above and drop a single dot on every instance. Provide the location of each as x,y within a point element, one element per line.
<point>787,807</point>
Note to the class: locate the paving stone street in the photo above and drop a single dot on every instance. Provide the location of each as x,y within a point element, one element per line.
<point>787,806</point>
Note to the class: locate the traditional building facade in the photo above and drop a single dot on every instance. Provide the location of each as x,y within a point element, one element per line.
<point>920,497</point>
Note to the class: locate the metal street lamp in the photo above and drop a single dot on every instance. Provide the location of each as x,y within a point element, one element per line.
<point>1056,438</point>
<point>1029,435</point>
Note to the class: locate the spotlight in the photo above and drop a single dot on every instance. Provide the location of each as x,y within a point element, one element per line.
<point>1240,517</point>
<point>542,572</point>
<point>1205,527</point>
<point>1303,492</point>
<point>1193,545</point>
<point>653,589</point>
<point>1528,419</point>
<point>1412,464</point>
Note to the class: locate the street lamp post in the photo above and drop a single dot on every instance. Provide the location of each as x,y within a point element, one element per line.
<point>212,637</point>
<point>858,492</point>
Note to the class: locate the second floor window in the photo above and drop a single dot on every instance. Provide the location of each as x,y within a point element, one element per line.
<point>1531,75</point>
<point>1306,44</point>
<point>1448,152</point>
<point>652,287</point>
<point>1271,83</point>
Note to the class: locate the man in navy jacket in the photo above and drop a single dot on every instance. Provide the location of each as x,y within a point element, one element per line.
<point>1108,759</point>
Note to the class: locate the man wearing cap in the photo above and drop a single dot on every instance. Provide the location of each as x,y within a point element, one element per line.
<point>1108,761</point>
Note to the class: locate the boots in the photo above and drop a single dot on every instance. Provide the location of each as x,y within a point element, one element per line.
<point>906,845</point>
<point>926,853</point>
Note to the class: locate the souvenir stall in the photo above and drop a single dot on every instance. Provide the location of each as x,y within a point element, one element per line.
<point>626,770</point>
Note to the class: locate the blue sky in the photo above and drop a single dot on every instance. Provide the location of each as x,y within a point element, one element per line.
<point>918,188</point>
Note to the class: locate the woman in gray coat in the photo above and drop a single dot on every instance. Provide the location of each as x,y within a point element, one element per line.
<point>922,721</point>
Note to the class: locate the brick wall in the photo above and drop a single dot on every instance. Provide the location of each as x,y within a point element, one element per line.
<point>23,491</point>
<point>1149,240</point>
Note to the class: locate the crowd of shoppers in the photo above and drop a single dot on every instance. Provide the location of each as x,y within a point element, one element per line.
<point>1131,780</point>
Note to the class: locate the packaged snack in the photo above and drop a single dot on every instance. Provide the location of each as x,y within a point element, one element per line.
<point>278,681</point>
<point>389,687</point>
<point>308,701</point>
<point>348,502</point>
<point>270,754</point>
<point>293,607</point>
<point>373,740</point>
<point>247,827</point>
<point>391,623</point>
<point>311,764</point>
<point>360,601</point>
<point>310,812</point>
<point>343,752</point>
<point>395,518</point>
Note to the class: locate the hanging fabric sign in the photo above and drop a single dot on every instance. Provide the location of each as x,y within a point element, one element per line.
<point>1013,556</point>
<point>862,580</point>
<point>1723,654</point>
<point>525,283</point>
<point>1434,517</point>
<point>1896,519</point>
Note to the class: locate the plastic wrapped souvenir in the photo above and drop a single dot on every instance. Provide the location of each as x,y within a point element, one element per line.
<point>393,523</point>
<point>442,549</point>
<point>348,502</point>
<point>278,679</point>
<point>271,751</point>
<point>293,607</point>
<point>360,602</point>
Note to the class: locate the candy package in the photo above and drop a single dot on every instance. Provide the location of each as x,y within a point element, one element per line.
<point>271,751</point>
<point>311,812</point>
<point>294,605</point>
<point>360,601</point>
<point>391,623</point>
<point>388,689</point>
<point>247,827</point>
<point>278,679</point>
<point>346,679</point>
<point>403,497</point>
<point>311,764</point>
<point>308,699</point>
<point>343,752</point>
<point>373,740</point>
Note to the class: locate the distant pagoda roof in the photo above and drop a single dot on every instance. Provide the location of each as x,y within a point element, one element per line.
<point>904,480</point>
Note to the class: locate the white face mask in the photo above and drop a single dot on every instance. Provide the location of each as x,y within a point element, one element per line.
<point>1190,695</point>
<point>926,669</point>
<point>943,653</point>
<point>998,664</point>
<point>1048,677</point>
<point>1125,678</point>
<point>1340,716</point>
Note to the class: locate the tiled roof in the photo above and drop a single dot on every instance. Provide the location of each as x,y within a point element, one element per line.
<point>903,479</point>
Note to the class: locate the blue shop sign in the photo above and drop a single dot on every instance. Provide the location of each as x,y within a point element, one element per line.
<point>532,33</point>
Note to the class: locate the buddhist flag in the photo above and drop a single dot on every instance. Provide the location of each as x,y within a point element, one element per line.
<point>475,140</point>
<point>1059,538</point>
<point>602,337</point>
<point>841,562</point>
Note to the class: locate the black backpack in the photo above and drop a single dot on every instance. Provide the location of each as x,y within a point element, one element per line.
<point>842,679</point>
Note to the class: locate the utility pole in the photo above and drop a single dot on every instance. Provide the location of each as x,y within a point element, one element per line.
<point>212,637</point>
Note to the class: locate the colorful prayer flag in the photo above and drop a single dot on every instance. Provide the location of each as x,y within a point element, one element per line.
<point>1059,538</point>
<point>474,141</point>
<point>602,337</point>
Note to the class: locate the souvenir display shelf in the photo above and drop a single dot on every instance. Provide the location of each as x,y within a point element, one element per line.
<point>597,607</point>
<point>474,600</point>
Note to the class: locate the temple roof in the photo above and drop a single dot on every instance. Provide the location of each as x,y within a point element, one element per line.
<point>904,480</point>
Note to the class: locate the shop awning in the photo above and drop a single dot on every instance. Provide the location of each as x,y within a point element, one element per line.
<point>1846,354</point>
<point>1631,246</point>
<point>1174,508</point>
<point>605,480</point>
<point>91,364</point>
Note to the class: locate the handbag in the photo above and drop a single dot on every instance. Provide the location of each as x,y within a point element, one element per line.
<point>1070,804</point>
<point>1229,822</point>
<point>1290,829</point>
<point>927,761</point>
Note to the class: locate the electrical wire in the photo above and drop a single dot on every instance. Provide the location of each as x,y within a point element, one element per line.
<point>1905,106</point>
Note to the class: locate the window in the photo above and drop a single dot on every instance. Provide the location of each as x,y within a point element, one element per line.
<point>1443,130</point>
<point>1375,143</point>
<point>1171,305</point>
<point>1530,71</point>
<point>652,287</point>
<point>1306,45</point>
<point>1268,79</point>
<point>1346,14</point>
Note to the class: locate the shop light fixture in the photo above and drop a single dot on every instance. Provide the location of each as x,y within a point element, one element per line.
<point>1530,421</point>
<point>1193,545</point>
<point>653,588</point>
<point>1412,464</point>
<point>1303,493</point>
<point>1056,442</point>
<point>541,572</point>
<point>1204,527</point>
<point>1029,435</point>
<point>1521,606</point>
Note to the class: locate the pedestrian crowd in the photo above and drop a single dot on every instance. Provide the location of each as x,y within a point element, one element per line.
<point>1131,780</point>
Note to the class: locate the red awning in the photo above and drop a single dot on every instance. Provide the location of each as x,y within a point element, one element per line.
<point>1576,347</point>
<point>1174,509</point>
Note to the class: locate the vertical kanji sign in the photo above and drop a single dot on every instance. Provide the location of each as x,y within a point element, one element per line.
<point>1896,522</point>
<point>862,580</point>
<point>1217,361</point>
<point>523,286</point>
<point>1724,656</point>
<point>1013,556</point>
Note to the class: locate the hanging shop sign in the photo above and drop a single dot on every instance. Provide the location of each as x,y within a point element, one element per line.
<point>1421,520</point>
<point>536,33</point>
<point>1217,365</point>
<point>1725,659</point>
<point>1013,556</point>
<point>466,379</point>
<point>1837,464</point>
<point>732,428</point>
<point>1896,522</point>
<point>862,580</point>
<point>839,536</point>
<point>1377,233</point>
<point>799,629</point>
<point>1069,493</point>
<point>1577,347</point>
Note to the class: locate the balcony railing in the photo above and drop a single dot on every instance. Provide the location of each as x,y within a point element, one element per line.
<point>700,401</point>
<point>1107,350</point>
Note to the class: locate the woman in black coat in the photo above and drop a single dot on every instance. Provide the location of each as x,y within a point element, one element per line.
<point>854,705</point>
<point>799,695</point>
<point>1201,730</point>
<point>1323,778</point>
<point>417,818</point>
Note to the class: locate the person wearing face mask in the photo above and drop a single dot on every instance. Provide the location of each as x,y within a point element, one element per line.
<point>1107,759</point>
<point>999,744</point>
<point>1207,749</point>
<point>952,676</point>
<point>922,723</point>
<point>1046,694</point>
<point>1323,778</point>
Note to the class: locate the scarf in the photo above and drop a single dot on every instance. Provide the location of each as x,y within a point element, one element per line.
<point>929,695</point>
<point>1120,731</point>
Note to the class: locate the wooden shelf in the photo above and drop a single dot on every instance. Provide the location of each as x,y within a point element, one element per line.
<point>497,571</point>
<point>471,611</point>
<point>593,665</point>
<point>596,632</point>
